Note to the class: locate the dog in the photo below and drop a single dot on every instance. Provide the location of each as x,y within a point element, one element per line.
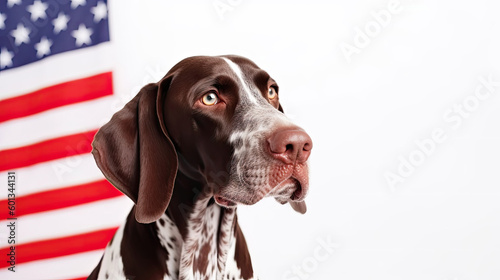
<point>187,150</point>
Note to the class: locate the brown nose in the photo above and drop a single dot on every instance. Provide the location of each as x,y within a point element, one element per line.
<point>290,145</point>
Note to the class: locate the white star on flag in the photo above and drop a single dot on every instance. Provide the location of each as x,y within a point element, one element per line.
<point>21,34</point>
<point>60,23</point>
<point>37,10</point>
<point>82,35</point>
<point>76,3</point>
<point>2,20</point>
<point>43,47</point>
<point>5,58</point>
<point>11,3</point>
<point>100,11</point>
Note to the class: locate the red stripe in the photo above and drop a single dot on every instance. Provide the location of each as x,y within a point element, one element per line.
<point>61,198</point>
<point>56,96</point>
<point>58,247</point>
<point>56,148</point>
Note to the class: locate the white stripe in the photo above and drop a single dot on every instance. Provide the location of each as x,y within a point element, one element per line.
<point>69,221</point>
<point>57,69</point>
<point>68,267</point>
<point>237,70</point>
<point>54,174</point>
<point>62,121</point>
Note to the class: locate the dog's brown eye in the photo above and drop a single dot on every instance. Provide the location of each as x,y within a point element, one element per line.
<point>271,93</point>
<point>210,99</point>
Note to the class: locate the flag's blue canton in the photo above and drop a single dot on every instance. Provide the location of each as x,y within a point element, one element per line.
<point>31,30</point>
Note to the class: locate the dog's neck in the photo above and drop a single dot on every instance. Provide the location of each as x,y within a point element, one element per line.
<point>205,228</point>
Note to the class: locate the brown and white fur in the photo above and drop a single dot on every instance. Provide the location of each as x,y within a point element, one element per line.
<point>187,150</point>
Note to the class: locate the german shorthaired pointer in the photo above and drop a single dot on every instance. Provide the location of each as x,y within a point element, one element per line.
<point>208,136</point>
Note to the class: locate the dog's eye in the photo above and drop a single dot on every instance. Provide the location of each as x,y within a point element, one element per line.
<point>210,99</point>
<point>271,93</point>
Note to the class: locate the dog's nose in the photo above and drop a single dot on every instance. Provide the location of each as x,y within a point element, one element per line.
<point>290,145</point>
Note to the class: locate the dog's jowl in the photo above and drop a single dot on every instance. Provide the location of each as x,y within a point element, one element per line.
<point>187,150</point>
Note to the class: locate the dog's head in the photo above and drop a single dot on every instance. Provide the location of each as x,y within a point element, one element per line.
<point>218,120</point>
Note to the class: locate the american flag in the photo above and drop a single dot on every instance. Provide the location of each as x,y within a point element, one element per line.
<point>56,90</point>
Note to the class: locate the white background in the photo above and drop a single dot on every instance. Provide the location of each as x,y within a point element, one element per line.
<point>364,113</point>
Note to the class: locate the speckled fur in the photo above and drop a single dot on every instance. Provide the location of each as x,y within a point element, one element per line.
<point>204,230</point>
<point>250,167</point>
<point>112,264</point>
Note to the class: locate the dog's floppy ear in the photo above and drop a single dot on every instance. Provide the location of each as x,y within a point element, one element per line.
<point>135,153</point>
<point>299,206</point>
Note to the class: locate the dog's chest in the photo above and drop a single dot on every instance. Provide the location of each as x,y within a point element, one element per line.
<point>200,249</point>
<point>202,254</point>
